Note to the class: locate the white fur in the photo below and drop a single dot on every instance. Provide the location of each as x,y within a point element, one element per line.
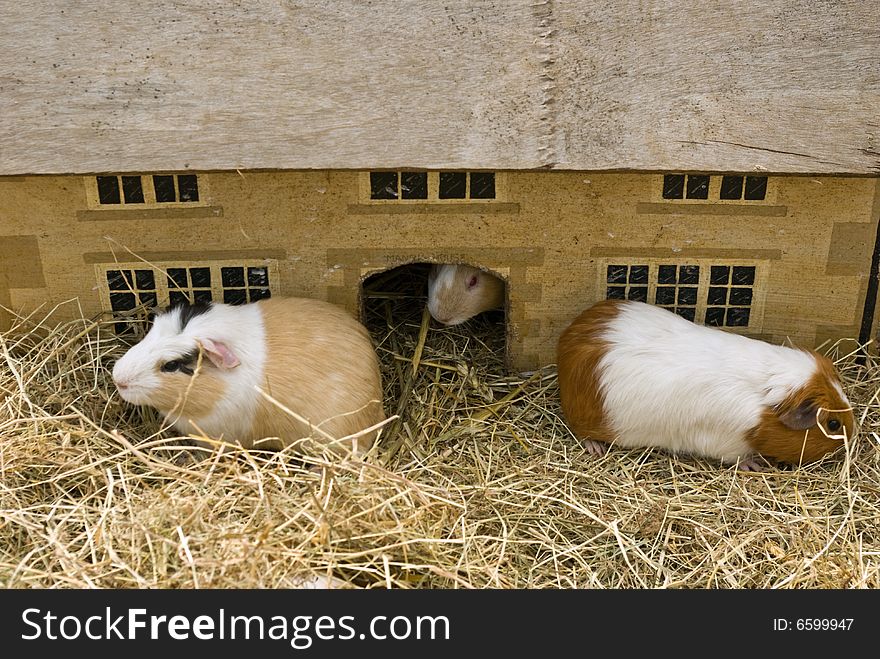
<point>670,383</point>
<point>239,327</point>
<point>440,282</point>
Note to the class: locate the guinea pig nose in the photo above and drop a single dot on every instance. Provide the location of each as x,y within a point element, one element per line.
<point>120,384</point>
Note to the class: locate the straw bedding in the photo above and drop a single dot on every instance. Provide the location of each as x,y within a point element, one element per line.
<point>476,483</point>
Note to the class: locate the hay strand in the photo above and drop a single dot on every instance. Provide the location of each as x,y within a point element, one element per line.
<point>477,483</point>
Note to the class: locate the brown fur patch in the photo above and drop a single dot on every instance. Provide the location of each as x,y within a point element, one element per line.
<point>772,438</point>
<point>578,352</point>
<point>189,397</point>
<point>321,364</point>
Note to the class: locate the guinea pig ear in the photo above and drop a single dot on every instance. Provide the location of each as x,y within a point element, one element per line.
<point>799,417</point>
<point>472,281</point>
<point>219,354</point>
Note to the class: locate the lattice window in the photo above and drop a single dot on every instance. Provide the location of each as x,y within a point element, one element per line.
<point>721,294</point>
<point>189,285</point>
<point>677,287</point>
<point>627,282</point>
<point>730,296</point>
<point>129,288</point>
<point>432,186</point>
<point>125,287</point>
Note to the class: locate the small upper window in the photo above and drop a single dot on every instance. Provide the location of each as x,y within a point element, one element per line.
<point>698,186</point>
<point>751,188</point>
<point>180,187</point>
<point>681,186</point>
<point>158,189</point>
<point>466,185</point>
<point>432,186</point>
<point>398,185</point>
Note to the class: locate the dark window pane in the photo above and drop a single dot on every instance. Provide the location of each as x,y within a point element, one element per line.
<point>720,274</point>
<point>202,297</point>
<point>687,295</point>
<point>234,296</point>
<point>132,190</point>
<point>638,293</point>
<point>664,295</point>
<point>744,275</point>
<point>453,185</point>
<point>260,293</point>
<point>149,299</point>
<point>638,274</point>
<point>697,186</point>
<point>164,187</point>
<point>731,187</point>
<point>177,277</point>
<point>108,190</point>
<point>200,277</point>
<point>715,316</point>
<point>666,274</point>
<point>414,185</point>
<point>689,274</point>
<point>617,274</point>
<point>482,185</point>
<point>258,277</point>
<point>189,187</point>
<point>122,329</point>
<point>717,296</point>
<point>741,296</point>
<point>119,280</point>
<point>177,297</point>
<point>383,185</point>
<point>616,293</point>
<point>687,312</point>
<point>122,301</point>
<point>756,187</point>
<point>738,317</point>
<point>673,186</point>
<point>145,280</point>
<point>232,277</point>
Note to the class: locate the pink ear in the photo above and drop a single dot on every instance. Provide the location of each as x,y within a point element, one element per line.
<point>472,281</point>
<point>801,417</point>
<point>219,354</point>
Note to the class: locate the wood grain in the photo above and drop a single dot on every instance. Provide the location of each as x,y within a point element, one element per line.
<point>778,85</point>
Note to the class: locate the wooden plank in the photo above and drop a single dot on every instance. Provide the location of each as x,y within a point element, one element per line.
<point>779,85</point>
<point>776,85</point>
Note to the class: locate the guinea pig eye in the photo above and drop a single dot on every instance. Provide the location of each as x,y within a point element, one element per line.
<point>833,425</point>
<point>170,367</point>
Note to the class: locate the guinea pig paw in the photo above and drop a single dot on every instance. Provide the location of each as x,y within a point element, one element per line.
<point>595,448</point>
<point>753,464</point>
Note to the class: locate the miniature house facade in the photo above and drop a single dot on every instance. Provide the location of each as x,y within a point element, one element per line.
<point>783,258</point>
<point>234,151</point>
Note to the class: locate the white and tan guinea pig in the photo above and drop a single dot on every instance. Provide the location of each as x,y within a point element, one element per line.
<point>201,366</point>
<point>457,293</point>
<point>641,376</point>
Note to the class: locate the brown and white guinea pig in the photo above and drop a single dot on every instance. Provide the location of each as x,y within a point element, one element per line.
<point>201,366</point>
<point>457,293</point>
<point>638,375</point>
